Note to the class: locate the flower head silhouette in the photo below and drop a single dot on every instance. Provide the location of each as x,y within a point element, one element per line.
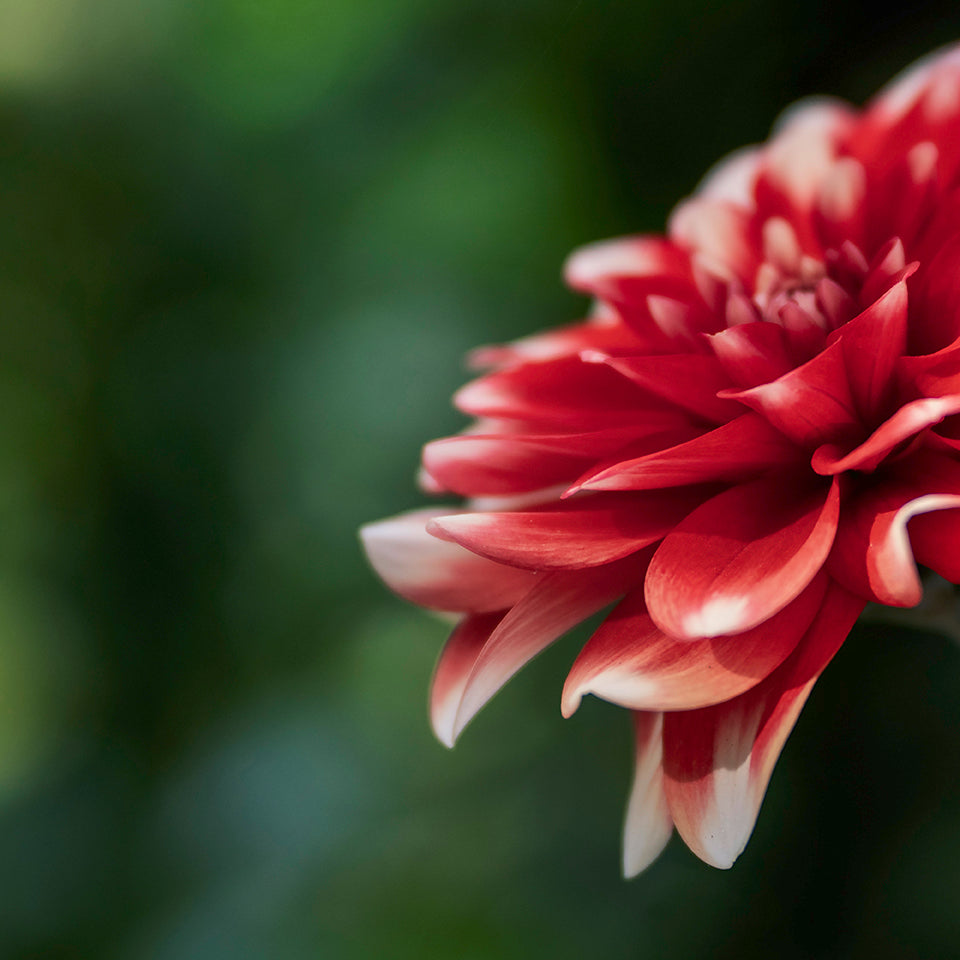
<point>755,433</point>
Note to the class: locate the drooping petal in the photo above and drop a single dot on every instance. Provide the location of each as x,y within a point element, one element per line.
<point>459,654</point>
<point>742,556</point>
<point>718,760</point>
<point>569,535</point>
<point>735,451</point>
<point>557,602</point>
<point>648,826</point>
<point>435,574</point>
<point>632,663</point>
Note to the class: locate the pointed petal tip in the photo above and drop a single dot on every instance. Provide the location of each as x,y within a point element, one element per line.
<point>445,735</point>
<point>636,859</point>
<point>570,700</point>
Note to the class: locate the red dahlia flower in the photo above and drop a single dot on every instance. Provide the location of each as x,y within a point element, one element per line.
<point>755,433</point>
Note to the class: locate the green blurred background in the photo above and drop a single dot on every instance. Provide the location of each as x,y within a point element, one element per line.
<point>244,246</point>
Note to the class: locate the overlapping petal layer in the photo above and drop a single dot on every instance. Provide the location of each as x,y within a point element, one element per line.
<point>755,432</point>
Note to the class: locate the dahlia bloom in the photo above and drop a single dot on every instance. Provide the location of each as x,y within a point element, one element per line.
<point>754,434</point>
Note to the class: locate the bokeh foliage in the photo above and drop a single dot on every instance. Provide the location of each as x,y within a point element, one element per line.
<point>244,246</point>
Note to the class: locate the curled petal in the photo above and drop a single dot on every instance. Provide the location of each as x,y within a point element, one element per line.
<point>908,421</point>
<point>435,574</point>
<point>632,663</point>
<point>742,556</point>
<point>718,760</point>
<point>648,826</point>
<point>872,554</point>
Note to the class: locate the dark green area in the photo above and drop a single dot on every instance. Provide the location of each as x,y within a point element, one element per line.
<point>243,247</point>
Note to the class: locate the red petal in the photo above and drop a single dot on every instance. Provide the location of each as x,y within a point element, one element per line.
<point>570,535</point>
<point>718,760</point>
<point>628,661</point>
<point>442,576</point>
<point>557,602</point>
<point>908,421</point>
<point>735,451</point>
<point>648,825</point>
<point>872,344</point>
<point>811,404</point>
<point>741,557</point>
<point>691,381</point>
<point>934,374</point>
<point>872,553</point>
<point>565,341</point>
<point>565,392</point>
<point>936,300</point>
<point>752,353</point>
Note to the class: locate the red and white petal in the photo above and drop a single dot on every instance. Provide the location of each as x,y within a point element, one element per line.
<point>482,465</point>
<point>576,533</point>
<point>802,153</point>
<point>719,232</point>
<point>557,602</point>
<point>435,574</point>
<point>456,660</point>
<point>563,342</point>
<point>736,451</point>
<point>632,663</point>
<point>732,179</point>
<point>648,825</point>
<point>588,267</point>
<point>742,556</point>
<point>718,760</point>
